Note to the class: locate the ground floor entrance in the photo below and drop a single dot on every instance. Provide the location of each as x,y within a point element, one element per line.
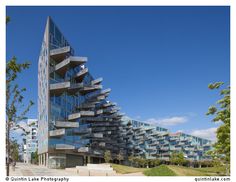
<point>62,160</point>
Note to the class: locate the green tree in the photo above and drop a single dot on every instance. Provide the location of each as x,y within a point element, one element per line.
<point>107,156</point>
<point>34,157</point>
<point>14,150</point>
<point>140,162</point>
<point>7,19</point>
<point>15,109</point>
<point>120,157</point>
<point>136,161</point>
<point>156,162</point>
<point>177,158</point>
<point>221,113</point>
<point>131,159</point>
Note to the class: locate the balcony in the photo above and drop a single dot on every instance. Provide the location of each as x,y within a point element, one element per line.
<point>100,97</point>
<point>154,144</point>
<point>154,134</point>
<point>173,139</point>
<point>110,111</point>
<point>74,88</point>
<point>72,61</point>
<point>74,116</point>
<point>149,128</point>
<point>86,113</point>
<point>86,106</point>
<point>66,124</point>
<point>98,112</point>
<point>83,149</point>
<point>96,81</point>
<point>165,154</point>
<point>151,148</point>
<point>109,104</point>
<point>160,138</point>
<point>60,54</point>
<point>98,135</point>
<point>141,133</point>
<point>165,148</point>
<point>81,74</point>
<point>107,110</point>
<point>137,147</point>
<point>106,91</point>
<point>138,137</point>
<point>153,153</point>
<point>80,131</point>
<point>93,119</point>
<point>57,133</point>
<point>64,147</point>
<point>88,89</point>
<point>59,88</point>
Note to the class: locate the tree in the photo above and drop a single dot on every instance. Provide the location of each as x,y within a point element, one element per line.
<point>156,162</point>
<point>140,162</point>
<point>120,157</point>
<point>221,113</point>
<point>131,159</point>
<point>136,161</point>
<point>15,109</point>
<point>34,157</point>
<point>7,19</point>
<point>177,158</point>
<point>14,150</point>
<point>107,156</point>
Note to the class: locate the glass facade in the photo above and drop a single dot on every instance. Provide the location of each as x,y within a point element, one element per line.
<point>77,122</point>
<point>151,142</point>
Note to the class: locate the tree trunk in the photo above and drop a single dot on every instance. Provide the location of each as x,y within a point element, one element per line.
<point>8,148</point>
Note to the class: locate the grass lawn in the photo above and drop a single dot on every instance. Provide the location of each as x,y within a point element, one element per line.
<point>127,169</point>
<point>170,170</point>
<point>213,171</point>
<point>186,171</point>
<point>161,170</point>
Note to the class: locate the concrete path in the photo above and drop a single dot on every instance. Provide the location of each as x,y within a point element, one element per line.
<point>23,169</point>
<point>133,174</point>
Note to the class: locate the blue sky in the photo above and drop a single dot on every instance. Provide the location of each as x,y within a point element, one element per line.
<point>158,61</point>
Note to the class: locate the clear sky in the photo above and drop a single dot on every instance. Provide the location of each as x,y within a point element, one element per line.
<point>158,61</point>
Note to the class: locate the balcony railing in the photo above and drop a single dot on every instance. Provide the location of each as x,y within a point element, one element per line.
<point>74,116</point>
<point>57,133</point>
<point>66,124</point>
<point>64,147</point>
<point>60,54</point>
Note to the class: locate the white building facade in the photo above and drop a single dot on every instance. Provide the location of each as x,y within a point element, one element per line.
<point>31,140</point>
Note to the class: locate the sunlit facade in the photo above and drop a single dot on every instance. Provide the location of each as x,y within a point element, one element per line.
<point>153,142</point>
<point>77,123</point>
<point>30,141</point>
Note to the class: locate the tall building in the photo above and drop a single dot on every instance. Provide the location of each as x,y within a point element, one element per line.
<point>30,142</point>
<point>153,142</point>
<point>77,124</point>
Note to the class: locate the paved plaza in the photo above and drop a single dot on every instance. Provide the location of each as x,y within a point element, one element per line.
<point>23,169</point>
